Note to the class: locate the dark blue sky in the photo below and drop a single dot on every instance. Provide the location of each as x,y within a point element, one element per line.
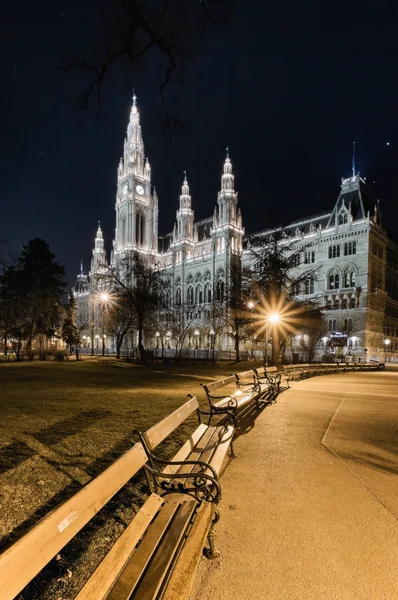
<point>288,86</point>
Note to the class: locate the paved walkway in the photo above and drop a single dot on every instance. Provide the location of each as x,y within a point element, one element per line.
<point>310,505</point>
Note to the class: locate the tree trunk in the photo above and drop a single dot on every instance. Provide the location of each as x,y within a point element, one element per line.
<point>140,338</point>
<point>237,352</point>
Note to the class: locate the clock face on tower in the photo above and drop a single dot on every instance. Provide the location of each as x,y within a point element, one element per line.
<point>140,190</point>
<point>124,190</point>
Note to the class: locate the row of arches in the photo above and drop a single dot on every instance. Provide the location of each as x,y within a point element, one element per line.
<point>336,279</point>
<point>348,249</point>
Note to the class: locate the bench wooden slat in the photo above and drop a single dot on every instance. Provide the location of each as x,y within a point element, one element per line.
<point>130,578</point>
<point>156,434</point>
<point>216,385</point>
<point>199,449</point>
<point>182,577</point>
<point>222,449</point>
<point>152,581</point>
<point>106,574</point>
<point>22,561</point>
<point>186,449</point>
<point>246,374</point>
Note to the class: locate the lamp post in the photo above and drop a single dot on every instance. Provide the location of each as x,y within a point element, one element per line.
<point>387,342</point>
<point>212,343</point>
<point>104,299</point>
<point>196,334</point>
<point>97,338</point>
<point>273,319</point>
<point>157,336</point>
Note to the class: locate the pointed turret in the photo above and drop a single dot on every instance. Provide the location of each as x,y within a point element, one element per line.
<point>185,215</point>
<point>227,178</point>
<point>185,198</point>
<point>98,261</point>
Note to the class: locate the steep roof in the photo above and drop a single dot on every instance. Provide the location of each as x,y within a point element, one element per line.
<point>354,195</point>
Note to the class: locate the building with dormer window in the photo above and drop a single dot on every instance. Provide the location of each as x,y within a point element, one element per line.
<point>355,263</point>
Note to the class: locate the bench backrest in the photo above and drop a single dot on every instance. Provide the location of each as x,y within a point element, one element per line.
<point>271,369</point>
<point>156,434</point>
<point>216,385</point>
<point>244,375</point>
<point>30,554</point>
<point>260,371</point>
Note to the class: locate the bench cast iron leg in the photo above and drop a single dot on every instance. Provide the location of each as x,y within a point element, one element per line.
<point>211,553</point>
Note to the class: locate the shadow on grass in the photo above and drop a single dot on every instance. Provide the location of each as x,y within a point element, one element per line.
<point>14,454</point>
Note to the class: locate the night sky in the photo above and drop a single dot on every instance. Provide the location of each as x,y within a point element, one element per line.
<point>288,87</point>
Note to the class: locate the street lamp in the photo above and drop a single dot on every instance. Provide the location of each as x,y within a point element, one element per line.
<point>104,299</point>
<point>212,343</point>
<point>196,334</point>
<point>387,342</point>
<point>250,305</point>
<point>157,335</point>
<point>273,319</point>
<point>168,336</point>
<point>97,338</point>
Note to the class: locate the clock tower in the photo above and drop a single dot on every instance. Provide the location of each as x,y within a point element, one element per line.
<point>136,201</point>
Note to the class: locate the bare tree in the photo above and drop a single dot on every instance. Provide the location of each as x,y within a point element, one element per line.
<point>141,285</point>
<point>169,32</point>
<point>120,320</point>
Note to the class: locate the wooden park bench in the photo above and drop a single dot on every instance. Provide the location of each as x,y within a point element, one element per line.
<point>144,563</point>
<point>240,390</point>
<point>269,379</point>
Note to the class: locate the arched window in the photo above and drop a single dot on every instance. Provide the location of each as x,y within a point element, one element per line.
<point>333,281</point>
<point>190,295</point>
<point>198,294</point>
<point>309,285</point>
<point>124,231</point>
<point>178,296</point>
<point>207,293</point>
<point>139,229</point>
<point>334,325</point>
<point>334,251</point>
<point>220,290</point>
<point>343,218</point>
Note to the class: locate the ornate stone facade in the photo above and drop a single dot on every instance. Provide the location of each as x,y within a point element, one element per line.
<point>354,261</point>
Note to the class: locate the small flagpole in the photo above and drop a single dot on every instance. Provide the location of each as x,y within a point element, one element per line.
<point>353,159</point>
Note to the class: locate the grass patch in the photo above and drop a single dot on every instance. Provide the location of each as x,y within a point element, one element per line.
<point>64,423</point>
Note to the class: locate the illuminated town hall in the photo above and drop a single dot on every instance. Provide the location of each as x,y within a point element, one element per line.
<point>354,262</point>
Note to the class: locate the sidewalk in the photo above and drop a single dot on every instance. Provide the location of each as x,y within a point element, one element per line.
<point>301,516</point>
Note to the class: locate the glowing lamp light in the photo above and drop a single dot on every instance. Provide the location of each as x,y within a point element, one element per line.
<point>104,297</point>
<point>274,318</point>
<point>250,304</point>
<point>211,331</point>
<point>387,342</point>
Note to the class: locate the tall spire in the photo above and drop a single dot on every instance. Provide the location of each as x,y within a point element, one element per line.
<point>185,198</point>
<point>227,179</point>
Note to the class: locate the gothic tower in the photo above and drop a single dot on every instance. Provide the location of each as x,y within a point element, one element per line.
<point>228,221</point>
<point>98,262</point>
<point>136,203</point>
<point>185,214</point>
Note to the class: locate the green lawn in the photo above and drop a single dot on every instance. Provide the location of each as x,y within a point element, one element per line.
<point>62,424</point>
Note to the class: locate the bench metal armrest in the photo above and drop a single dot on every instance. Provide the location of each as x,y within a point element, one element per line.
<point>203,487</point>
